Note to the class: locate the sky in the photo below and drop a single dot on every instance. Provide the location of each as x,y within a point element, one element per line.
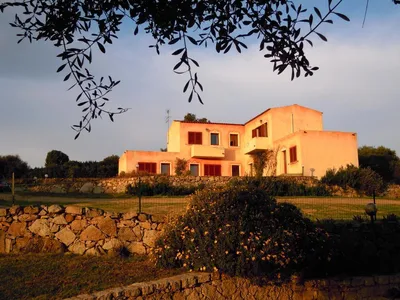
<point>356,88</point>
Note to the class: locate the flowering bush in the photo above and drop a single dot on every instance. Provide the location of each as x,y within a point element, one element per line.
<point>242,231</point>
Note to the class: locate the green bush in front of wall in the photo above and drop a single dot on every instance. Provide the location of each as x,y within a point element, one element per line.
<point>242,231</point>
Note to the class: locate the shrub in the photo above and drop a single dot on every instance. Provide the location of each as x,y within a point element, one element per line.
<point>280,186</point>
<point>180,166</point>
<point>241,231</point>
<point>361,248</point>
<point>364,180</point>
<point>161,186</point>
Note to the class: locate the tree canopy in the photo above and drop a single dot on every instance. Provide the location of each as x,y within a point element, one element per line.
<point>12,164</point>
<point>56,158</point>
<point>283,29</point>
<point>382,160</point>
<point>189,117</point>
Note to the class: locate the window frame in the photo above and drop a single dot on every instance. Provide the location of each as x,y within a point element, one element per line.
<point>239,167</point>
<point>293,154</point>
<point>230,140</point>
<point>165,163</point>
<point>198,169</point>
<point>211,134</point>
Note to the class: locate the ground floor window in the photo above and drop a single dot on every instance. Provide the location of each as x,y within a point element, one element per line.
<point>293,154</point>
<point>194,169</point>
<point>166,168</point>
<point>235,170</point>
<point>148,167</point>
<point>212,170</point>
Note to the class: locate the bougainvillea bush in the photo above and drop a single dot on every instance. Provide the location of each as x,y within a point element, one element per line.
<point>242,231</point>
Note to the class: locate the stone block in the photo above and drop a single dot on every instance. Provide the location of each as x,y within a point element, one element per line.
<point>59,220</point>
<point>17,229</point>
<point>41,227</point>
<point>66,236</point>
<point>137,248</point>
<point>31,210</point>
<point>91,233</point>
<point>55,209</point>
<point>107,226</point>
<point>73,210</point>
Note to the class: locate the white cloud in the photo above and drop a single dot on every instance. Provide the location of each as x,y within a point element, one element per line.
<point>356,88</point>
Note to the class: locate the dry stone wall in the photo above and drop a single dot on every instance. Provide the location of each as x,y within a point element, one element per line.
<point>216,286</point>
<point>78,230</point>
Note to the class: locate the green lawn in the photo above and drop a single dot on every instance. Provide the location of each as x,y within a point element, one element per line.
<point>313,207</point>
<point>55,276</point>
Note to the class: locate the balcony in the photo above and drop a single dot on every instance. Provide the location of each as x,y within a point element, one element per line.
<point>203,151</point>
<point>257,144</point>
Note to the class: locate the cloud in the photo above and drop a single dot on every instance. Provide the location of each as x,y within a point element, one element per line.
<point>356,88</point>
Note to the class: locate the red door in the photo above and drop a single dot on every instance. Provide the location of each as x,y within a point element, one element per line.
<point>284,162</point>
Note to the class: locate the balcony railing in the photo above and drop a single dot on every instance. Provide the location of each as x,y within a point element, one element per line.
<point>257,144</point>
<point>203,151</point>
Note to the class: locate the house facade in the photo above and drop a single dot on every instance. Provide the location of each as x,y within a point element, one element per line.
<point>293,137</point>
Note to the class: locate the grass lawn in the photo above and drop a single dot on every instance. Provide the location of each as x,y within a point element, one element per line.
<point>313,207</point>
<point>50,276</point>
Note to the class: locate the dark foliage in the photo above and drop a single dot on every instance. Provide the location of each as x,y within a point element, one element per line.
<point>361,248</point>
<point>56,158</point>
<point>13,163</point>
<point>242,231</point>
<point>281,186</point>
<point>382,160</point>
<point>364,180</point>
<point>161,186</point>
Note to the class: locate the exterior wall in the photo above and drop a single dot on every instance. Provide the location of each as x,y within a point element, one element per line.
<point>217,286</point>
<point>132,158</point>
<point>284,123</point>
<point>324,150</point>
<point>283,147</point>
<point>173,137</point>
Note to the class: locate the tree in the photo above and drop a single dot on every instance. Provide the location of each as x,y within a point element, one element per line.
<point>56,158</point>
<point>283,29</point>
<point>13,163</point>
<point>108,167</point>
<point>189,117</point>
<point>382,160</point>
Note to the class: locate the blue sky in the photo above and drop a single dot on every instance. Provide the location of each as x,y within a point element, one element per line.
<point>356,88</point>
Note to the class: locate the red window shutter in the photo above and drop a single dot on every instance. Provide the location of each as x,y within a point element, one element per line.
<point>190,138</point>
<point>217,170</point>
<point>141,167</point>
<point>206,170</point>
<point>254,133</point>
<point>199,138</point>
<point>153,168</point>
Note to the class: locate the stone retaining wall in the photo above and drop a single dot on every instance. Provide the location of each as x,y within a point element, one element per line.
<point>119,184</point>
<point>75,229</point>
<point>214,286</point>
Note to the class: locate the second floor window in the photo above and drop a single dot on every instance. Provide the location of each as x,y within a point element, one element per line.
<point>260,131</point>
<point>195,138</point>
<point>215,139</point>
<point>293,154</point>
<point>234,140</point>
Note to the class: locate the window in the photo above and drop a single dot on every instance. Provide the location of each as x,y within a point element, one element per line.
<point>194,169</point>
<point>212,170</point>
<point>260,131</point>
<point>235,170</point>
<point>166,168</point>
<point>147,167</point>
<point>234,140</point>
<point>195,138</point>
<point>293,154</point>
<point>215,139</point>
